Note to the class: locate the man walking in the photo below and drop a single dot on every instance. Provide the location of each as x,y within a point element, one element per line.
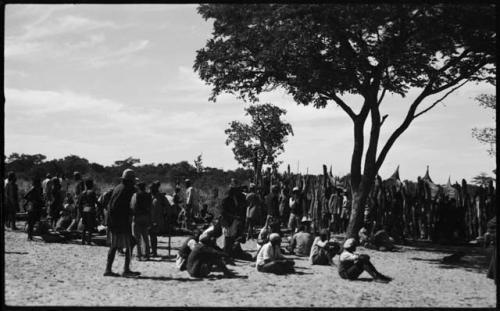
<point>141,209</point>
<point>11,200</point>
<point>119,223</point>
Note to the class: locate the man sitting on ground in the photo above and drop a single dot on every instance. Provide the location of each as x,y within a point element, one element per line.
<point>352,264</point>
<point>379,241</point>
<point>302,241</point>
<point>185,249</point>
<point>270,259</point>
<point>323,251</point>
<point>204,258</point>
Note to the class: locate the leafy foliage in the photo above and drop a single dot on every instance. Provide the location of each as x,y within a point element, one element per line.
<point>316,50</point>
<point>482,180</point>
<point>487,135</point>
<point>260,142</point>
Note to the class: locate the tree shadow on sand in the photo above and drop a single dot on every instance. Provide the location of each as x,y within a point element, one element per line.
<point>477,264</point>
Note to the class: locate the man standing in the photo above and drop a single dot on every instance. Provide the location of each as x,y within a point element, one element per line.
<point>141,204</point>
<point>87,205</point>
<point>253,207</point>
<point>34,203</point>
<point>295,210</point>
<point>160,207</point>
<point>47,188</point>
<point>272,204</point>
<point>230,219</point>
<point>191,202</point>
<point>119,223</point>
<point>11,200</point>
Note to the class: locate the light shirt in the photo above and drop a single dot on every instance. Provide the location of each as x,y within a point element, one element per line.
<point>348,256</point>
<point>192,200</point>
<point>317,244</point>
<point>268,252</point>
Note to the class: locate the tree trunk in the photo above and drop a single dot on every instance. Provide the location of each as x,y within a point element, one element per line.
<point>357,213</point>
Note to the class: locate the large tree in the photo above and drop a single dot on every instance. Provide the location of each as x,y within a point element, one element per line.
<point>319,52</point>
<point>260,142</point>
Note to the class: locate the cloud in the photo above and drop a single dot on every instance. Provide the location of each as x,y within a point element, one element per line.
<point>74,120</point>
<point>118,56</point>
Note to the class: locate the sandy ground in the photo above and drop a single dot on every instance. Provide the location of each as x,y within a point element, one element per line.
<point>48,274</point>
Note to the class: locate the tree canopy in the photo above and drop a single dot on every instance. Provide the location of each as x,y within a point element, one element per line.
<point>260,142</point>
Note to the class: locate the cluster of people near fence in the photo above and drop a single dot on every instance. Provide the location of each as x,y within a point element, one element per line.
<point>316,207</point>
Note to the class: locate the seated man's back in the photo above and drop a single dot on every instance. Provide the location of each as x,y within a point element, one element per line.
<point>301,243</point>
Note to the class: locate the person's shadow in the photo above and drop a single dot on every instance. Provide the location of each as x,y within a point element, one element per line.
<point>164,278</point>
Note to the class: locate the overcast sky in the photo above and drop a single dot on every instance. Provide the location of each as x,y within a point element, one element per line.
<point>106,82</point>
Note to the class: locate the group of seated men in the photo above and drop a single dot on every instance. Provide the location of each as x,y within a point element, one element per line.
<point>200,255</point>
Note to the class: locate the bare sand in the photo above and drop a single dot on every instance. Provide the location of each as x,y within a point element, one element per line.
<point>50,274</point>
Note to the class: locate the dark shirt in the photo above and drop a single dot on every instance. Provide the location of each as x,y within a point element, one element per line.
<point>143,204</point>
<point>87,201</point>
<point>34,197</point>
<point>272,205</point>
<point>119,209</point>
<point>229,211</point>
<point>11,196</point>
<point>202,254</point>
<point>79,188</point>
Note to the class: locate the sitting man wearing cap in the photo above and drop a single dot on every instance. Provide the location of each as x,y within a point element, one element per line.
<point>270,259</point>
<point>302,241</point>
<point>323,250</point>
<point>352,264</point>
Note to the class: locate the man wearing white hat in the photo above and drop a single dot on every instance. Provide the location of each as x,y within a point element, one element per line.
<point>302,241</point>
<point>353,264</point>
<point>270,259</point>
<point>119,223</point>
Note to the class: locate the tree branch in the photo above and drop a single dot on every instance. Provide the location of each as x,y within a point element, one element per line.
<point>383,119</point>
<point>402,127</point>
<point>343,105</point>
<point>381,96</point>
<point>439,100</point>
<point>461,77</point>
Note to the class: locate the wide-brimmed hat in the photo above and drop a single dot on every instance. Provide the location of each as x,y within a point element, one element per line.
<point>274,237</point>
<point>128,174</point>
<point>349,243</point>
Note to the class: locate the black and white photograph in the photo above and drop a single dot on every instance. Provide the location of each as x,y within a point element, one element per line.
<point>188,155</point>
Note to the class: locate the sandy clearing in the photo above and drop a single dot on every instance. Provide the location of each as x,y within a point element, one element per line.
<point>43,274</point>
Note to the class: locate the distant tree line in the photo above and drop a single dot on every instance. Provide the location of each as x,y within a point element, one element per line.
<point>29,166</point>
